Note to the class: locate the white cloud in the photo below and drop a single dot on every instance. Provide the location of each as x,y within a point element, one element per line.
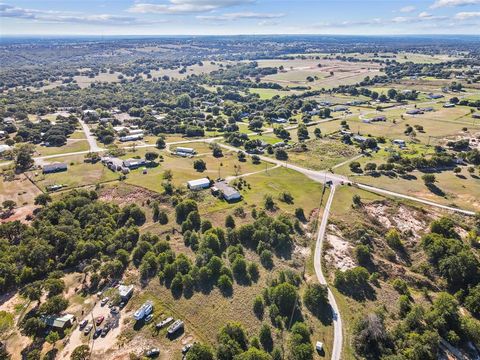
<point>9,11</point>
<point>422,17</point>
<point>467,15</point>
<point>186,6</point>
<point>239,15</point>
<point>407,9</point>
<point>451,3</point>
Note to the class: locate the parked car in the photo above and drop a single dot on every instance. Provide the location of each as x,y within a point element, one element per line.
<point>99,320</point>
<point>114,310</point>
<point>153,352</point>
<point>87,329</point>
<point>149,318</point>
<point>104,301</point>
<point>82,324</point>
<point>122,304</point>
<point>97,333</point>
<point>186,348</point>
<point>105,331</point>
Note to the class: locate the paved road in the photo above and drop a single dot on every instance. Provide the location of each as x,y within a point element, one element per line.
<point>417,199</point>
<point>90,138</point>
<point>337,320</point>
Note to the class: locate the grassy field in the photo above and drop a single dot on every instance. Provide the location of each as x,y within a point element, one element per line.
<point>296,71</point>
<point>269,93</point>
<point>182,169</point>
<point>306,194</point>
<point>78,174</point>
<point>74,145</point>
<point>455,190</point>
<point>322,154</point>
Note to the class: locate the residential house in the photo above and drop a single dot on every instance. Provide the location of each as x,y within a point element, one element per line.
<point>134,163</point>
<point>54,168</point>
<point>229,193</point>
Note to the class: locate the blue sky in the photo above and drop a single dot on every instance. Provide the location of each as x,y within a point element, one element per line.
<point>185,17</point>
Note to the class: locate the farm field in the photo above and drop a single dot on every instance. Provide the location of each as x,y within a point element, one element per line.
<point>297,70</point>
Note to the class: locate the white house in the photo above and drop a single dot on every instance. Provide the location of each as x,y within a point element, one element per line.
<point>198,184</point>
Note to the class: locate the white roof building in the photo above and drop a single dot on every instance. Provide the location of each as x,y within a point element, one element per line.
<point>198,184</point>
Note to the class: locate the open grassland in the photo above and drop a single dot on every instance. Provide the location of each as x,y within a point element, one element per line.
<point>322,154</point>
<point>400,57</point>
<point>329,74</point>
<point>182,169</point>
<point>23,192</point>
<point>71,146</point>
<point>305,192</point>
<point>270,93</point>
<point>84,81</point>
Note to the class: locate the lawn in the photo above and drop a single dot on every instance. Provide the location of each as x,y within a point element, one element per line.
<point>71,146</point>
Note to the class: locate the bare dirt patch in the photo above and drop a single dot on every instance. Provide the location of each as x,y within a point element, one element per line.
<point>338,251</point>
<point>404,218</point>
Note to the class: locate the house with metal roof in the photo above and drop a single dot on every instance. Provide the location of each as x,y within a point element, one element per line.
<point>54,168</point>
<point>59,322</point>
<point>226,191</point>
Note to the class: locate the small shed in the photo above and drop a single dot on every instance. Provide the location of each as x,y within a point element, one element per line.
<point>125,292</point>
<point>59,322</point>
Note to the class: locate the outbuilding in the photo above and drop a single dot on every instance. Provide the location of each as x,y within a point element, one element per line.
<point>125,292</point>
<point>59,322</point>
<point>199,184</point>
<point>54,168</point>
<point>185,151</point>
<point>131,137</point>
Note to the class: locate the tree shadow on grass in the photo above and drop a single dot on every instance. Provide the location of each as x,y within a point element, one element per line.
<point>436,190</point>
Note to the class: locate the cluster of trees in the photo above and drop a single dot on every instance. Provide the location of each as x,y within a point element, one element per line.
<point>76,232</point>
<point>424,325</point>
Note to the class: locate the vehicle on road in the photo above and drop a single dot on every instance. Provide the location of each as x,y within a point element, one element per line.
<point>82,324</point>
<point>104,301</point>
<point>97,333</point>
<point>87,329</point>
<point>153,352</point>
<point>99,320</point>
